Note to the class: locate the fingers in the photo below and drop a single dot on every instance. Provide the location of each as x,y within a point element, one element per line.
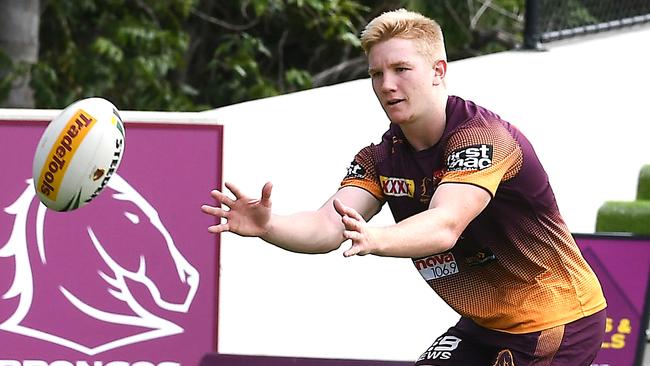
<point>359,243</point>
<point>338,206</point>
<point>216,229</point>
<point>224,199</point>
<point>214,211</point>
<point>242,215</point>
<point>235,191</point>
<point>355,229</point>
<point>344,210</point>
<point>351,219</point>
<point>354,250</point>
<point>219,213</point>
<point>352,224</point>
<point>221,197</point>
<point>354,235</point>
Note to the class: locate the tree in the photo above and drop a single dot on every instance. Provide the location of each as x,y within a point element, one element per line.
<point>252,49</point>
<point>128,51</point>
<point>199,54</point>
<point>476,27</point>
<point>183,55</point>
<point>19,24</point>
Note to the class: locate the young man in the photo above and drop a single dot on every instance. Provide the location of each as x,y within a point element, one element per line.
<point>473,209</point>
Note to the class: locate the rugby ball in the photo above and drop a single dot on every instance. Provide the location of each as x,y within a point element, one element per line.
<point>77,154</point>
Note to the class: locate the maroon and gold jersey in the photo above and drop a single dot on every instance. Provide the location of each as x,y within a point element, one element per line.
<point>516,268</point>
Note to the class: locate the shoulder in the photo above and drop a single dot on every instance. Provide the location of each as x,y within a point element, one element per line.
<point>362,171</point>
<point>468,122</point>
<point>376,153</point>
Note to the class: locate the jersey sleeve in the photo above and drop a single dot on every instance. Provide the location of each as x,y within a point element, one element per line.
<point>362,172</point>
<point>483,154</point>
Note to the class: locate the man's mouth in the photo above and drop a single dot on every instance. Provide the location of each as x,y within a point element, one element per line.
<point>392,102</point>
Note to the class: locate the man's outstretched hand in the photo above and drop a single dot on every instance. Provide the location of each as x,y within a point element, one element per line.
<point>245,216</point>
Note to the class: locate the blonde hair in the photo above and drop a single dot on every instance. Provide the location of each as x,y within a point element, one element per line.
<point>406,24</point>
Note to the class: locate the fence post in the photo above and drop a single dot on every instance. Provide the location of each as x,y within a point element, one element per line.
<point>531,26</point>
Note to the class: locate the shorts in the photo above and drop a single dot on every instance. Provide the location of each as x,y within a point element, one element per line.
<point>466,343</point>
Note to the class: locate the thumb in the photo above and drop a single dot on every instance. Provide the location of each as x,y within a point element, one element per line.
<point>266,194</point>
<point>339,207</point>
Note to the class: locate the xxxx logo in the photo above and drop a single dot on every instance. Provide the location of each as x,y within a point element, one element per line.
<point>397,187</point>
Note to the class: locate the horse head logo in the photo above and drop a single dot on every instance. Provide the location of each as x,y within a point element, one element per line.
<point>132,290</point>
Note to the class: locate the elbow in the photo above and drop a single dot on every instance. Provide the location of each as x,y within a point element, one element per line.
<point>452,228</point>
<point>325,247</point>
<point>447,240</point>
<point>327,250</point>
<point>449,235</point>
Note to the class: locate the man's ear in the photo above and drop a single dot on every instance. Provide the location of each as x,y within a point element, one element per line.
<point>439,71</point>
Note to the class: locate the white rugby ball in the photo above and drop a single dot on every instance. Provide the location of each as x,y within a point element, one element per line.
<point>79,151</point>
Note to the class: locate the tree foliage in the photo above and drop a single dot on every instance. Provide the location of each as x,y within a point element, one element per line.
<point>259,48</point>
<point>127,51</point>
<point>198,54</point>
<point>6,75</point>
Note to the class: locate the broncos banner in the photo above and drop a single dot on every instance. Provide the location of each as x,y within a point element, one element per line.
<point>129,279</point>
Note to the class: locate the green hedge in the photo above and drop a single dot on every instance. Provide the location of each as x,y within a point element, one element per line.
<point>628,216</point>
<point>643,188</point>
<point>624,216</point>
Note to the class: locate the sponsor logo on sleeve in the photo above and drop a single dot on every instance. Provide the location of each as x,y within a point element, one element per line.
<point>355,171</point>
<point>475,157</point>
<point>397,187</point>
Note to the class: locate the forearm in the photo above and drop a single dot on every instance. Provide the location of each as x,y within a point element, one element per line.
<point>424,234</point>
<point>435,230</point>
<point>304,232</point>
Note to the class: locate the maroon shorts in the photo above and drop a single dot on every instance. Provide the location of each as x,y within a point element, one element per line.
<point>466,343</point>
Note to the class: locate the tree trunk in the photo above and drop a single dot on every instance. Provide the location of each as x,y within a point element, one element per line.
<point>19,22</point>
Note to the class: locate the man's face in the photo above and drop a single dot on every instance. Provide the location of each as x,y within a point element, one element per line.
<point>402,79</point>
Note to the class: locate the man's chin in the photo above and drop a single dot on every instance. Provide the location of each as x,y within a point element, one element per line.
<point>398,119</point>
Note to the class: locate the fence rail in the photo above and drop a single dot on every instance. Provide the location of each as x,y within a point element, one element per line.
<point>550,20</point>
